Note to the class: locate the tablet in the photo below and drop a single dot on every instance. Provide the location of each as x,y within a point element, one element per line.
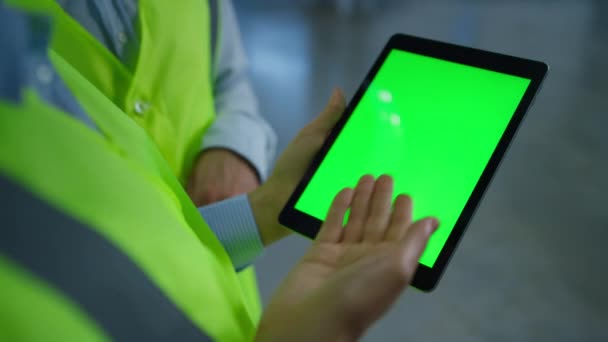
<point>438,118</point>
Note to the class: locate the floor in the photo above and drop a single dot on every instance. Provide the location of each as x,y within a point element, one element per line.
<point>532,266</point>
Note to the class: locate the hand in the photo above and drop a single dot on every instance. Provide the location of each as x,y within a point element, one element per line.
<point>219,174</point>
<point>268,200</point>
<point>351,275</point>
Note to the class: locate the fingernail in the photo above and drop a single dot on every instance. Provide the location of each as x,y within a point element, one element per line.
<point>386,175</point>
<point>432,225</point>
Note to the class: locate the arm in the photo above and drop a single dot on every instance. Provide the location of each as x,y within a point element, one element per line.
<point>244,224</point>
<point>239,146</point>
<point>233,223</point>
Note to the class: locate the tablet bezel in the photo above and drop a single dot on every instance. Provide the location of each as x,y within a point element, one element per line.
<point>426,278</point>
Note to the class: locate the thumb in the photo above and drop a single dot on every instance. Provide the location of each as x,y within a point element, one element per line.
<point>332,112</point>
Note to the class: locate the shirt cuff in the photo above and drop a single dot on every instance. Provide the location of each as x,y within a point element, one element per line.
<point>245,137</point>
<point>233,223</point>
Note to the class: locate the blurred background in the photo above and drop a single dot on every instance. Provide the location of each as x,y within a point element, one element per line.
<point>533,265</point>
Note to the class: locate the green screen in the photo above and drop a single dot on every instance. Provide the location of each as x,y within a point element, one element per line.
<point>429,123</point>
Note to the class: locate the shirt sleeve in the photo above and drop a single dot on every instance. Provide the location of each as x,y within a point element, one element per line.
<point>238,126</point>
<point>233,223</point>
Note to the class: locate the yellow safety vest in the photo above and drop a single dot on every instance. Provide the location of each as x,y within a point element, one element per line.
<point>170,91</point>
<point>116,182</point>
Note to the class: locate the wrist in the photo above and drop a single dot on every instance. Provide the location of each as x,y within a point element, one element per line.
<point>266,208</point>
<point>310,320</point>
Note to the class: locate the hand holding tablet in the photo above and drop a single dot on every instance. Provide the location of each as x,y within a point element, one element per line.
<point>436,117</point>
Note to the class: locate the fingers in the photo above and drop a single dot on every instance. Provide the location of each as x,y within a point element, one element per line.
<point>205,193</point>
<point>373,220</point>
<point>198,195</point>
<point>331,230</point>
<point>332,112</point>
<point>379,210</point>
<point>359,209</point>
<point>400,219</point>
<point>414,243</point>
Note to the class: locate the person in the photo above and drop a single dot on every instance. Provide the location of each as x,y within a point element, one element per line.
<point>180,72</point>
<point>235,150</point>
<point>100,241</point>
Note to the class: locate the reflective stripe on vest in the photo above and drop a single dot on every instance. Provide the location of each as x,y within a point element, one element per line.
<point>171,84</point>
<point>119,185</point>
<point>90,271</point>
